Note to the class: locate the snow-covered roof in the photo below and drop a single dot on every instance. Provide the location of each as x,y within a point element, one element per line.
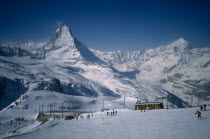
<point>146,103</point>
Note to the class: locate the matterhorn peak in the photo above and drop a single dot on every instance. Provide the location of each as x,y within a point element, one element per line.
<point>63,46</point>
<point>64,30</point>
<point>61,38</point>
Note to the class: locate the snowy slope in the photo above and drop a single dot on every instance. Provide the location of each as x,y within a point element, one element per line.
<point>31,103</point>
<point>32,74</point>
<point>156,124</point>
<point>177,67</point>
<point>29,106</point>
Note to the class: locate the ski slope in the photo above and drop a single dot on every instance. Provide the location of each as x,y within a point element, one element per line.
<point>153,124</point>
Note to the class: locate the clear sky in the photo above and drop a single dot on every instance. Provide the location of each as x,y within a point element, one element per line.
<point>109,24</point>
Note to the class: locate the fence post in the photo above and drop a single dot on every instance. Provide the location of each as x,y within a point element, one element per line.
<point>39,107</point>
<point>62,109</point>
<point>42,109</point>
<point>124,102</point>
<point>167,101</point>
<point>103,104</point>
<point>177,100</point>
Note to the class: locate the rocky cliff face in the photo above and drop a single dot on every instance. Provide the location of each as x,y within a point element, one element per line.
<point>10,90</point>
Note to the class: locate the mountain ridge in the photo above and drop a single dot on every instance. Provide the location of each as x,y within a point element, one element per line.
<point>177,67</point>
<point>81,71</point>
<point>69,67</point>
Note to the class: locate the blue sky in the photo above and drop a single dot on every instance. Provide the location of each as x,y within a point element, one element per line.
<point>108,24</point>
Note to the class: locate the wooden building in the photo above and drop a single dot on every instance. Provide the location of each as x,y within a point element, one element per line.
<point>148,105</point>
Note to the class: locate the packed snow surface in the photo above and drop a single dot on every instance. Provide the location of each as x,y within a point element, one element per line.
<point>152,124</point>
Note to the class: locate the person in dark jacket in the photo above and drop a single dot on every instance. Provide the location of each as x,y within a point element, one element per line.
<point>204,107</point>
<point>201,108</point>
<point>199,114</point>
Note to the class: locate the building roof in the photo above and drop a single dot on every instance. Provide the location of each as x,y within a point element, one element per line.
<point>146,103</point>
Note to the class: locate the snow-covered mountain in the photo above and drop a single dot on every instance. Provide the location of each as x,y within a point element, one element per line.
<point>66,66</point>
<point>63,46</point>
<point>178,68</point>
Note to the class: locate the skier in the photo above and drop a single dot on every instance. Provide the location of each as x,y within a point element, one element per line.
<point>102,120</point>
<point>107,113</point>
<point>204,107</point>
<point>199,114</point>
<point>81,116</point>
<point>201,108</point>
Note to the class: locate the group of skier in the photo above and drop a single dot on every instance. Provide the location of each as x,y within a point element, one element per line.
<point>88,116</point>
<point>81,116</point>
<point>143,108</point>
<point>112,113</point>
<point>202,108</point>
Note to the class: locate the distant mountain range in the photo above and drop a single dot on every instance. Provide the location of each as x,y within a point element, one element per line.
<point>65,65</point>
<point>178,68</point>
